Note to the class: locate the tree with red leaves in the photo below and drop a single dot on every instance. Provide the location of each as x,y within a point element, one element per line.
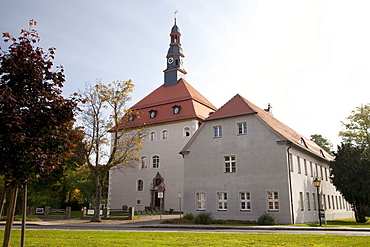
<point>35,119</point>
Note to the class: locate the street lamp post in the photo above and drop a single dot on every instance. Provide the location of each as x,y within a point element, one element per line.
<point>317,184</point>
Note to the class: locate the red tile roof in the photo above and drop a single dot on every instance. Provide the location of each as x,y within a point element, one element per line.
<point>193,106</point>
<point>240,106</point>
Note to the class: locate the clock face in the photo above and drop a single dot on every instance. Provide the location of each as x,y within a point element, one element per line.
<point>170,60</point>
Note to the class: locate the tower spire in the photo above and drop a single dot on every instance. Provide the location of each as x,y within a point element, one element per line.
<point>175,56</point>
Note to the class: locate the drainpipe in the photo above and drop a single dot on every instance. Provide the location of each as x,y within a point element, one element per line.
<point>290,181</point>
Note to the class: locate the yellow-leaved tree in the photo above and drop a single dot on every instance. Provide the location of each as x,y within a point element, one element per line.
<point>107,141</point>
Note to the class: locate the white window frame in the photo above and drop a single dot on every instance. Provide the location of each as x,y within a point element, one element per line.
<point>242,128</point>
<point>230,164</point>
<point>165,134</point>
<point>144,162</point>
<point>139,203</point>
<point>245,200</point>
<point>222,201</point>
<point>273,203</point>
<point>201,201</point>
<point>140,187</point>
<point>217,131</point>
<point>153,136</point>
<point>155,161</point>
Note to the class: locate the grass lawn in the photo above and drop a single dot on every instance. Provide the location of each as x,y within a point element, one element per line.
<point>106,239</point>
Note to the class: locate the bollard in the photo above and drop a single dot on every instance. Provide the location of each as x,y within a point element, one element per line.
<point>47,211</point>
<point>131,213</point>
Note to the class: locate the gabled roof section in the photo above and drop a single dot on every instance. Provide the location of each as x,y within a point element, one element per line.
<point>235,107</point>
<point>238,106</point>
<point>179,92</point>
<point>163,100</point>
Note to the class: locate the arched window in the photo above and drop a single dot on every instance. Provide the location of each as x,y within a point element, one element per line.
<point>155,161</point>
<point>153,136</point>
<point>138,201</point>
<point>144,163</point>
<point>165,134</point>
<point>187,131</point>
<point>140,185</point>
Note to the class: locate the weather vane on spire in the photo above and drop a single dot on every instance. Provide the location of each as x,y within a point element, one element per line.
<point>176,11</point>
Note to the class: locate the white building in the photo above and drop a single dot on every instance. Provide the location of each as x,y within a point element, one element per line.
<point>172,113</point>
<point>242,162</point>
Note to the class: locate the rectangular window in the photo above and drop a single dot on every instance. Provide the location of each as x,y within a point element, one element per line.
<point>291,162</point>
<point>326,174</point>
<point>230,164</point>
<point>222,200</point>
<point>299,164</point>
<point>317,171</point>
<point>273,200</point>
<point>322,174</point>
<point>324,200</point>
<point>308,201</point>
<point>311,169</point>
<point>301,201</point>
<point>242,128</point>
<point>333,203</point>
<point>245,200</point>
<point>201,201</point>
<point>217,131</point>
<point>314,201</point>
<point>329,205</point>
<point>305,166</point>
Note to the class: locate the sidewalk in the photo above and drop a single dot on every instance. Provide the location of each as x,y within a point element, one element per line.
<point>155,222</point>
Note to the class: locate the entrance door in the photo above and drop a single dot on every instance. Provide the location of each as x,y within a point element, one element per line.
<point>157,201</point>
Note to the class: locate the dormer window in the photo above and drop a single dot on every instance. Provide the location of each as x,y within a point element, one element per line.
<point>131,118</point>
<point>153,113</point>
<point>176,109</point>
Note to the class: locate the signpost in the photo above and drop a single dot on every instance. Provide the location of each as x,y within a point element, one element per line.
<point>160,197</point>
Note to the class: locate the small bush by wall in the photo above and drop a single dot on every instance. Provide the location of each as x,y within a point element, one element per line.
<point>266,219</point>
<point>205,218</point>
<point>189,217</point>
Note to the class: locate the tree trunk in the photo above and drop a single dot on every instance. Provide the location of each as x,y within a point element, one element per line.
<point>24,214</point>
<point>3,196</point>
<point>96,217</point>
<point>360,212</point>
<point>10,214</point>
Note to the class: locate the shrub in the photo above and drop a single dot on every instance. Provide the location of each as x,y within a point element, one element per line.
<point>124,207</point>
<point>266,219</point>
<point>205,218</point>
<point>189,217</point>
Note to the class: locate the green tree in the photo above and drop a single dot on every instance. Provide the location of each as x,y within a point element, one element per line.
<point>35,118</point>
<point>357,129</point>
<point>107,144</point>
<point>322,142</point>
<point>350,172</point>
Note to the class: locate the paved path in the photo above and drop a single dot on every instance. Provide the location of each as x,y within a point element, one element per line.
<point>152,223</point>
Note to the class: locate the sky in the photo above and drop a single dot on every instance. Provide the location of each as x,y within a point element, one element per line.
<point>310,59</point>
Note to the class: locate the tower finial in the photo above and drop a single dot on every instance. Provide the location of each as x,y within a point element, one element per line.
<point>176,11</point>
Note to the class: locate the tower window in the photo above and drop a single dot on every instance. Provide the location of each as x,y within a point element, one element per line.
<point>177,62</point>
<point>155,161</point>
<point>165,134</point>
<point>186,131</point>
<point>140,185</point>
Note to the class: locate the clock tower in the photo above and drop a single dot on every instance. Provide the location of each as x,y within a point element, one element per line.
<point>175,58</point>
